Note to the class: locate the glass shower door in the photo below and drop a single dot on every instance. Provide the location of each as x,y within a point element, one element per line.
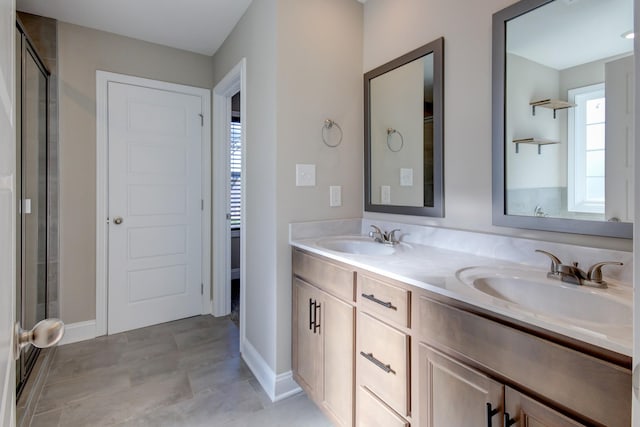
<point>32,203</point>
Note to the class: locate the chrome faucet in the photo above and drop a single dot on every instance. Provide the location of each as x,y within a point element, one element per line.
<point>573,274</point>
<point>387,238</point>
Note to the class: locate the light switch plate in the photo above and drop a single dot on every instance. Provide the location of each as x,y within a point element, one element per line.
<point>305,175</point>
<point>406,177</point>
<point>335,196</point>
<point>385,194</point>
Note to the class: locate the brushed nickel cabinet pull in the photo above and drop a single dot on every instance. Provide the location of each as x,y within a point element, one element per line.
<point>379,364</point>
<point>378,301</point>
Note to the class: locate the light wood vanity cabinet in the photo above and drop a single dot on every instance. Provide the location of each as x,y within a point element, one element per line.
<point>323,336</point>
<point>425,360</point>
<point>454,394</point>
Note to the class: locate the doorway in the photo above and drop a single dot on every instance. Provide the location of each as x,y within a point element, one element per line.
<point>153,231</point>
<point>233,84</point>
<point>32,121</point>
<point>235,202</point>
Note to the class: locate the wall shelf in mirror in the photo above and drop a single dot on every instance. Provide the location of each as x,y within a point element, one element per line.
<point>552,104</point>
<point>537,141</point>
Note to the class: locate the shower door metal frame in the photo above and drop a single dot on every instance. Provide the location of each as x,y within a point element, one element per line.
<point>29,356</point>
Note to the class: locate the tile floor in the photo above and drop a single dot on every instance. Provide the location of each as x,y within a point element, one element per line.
<point>183,373</point>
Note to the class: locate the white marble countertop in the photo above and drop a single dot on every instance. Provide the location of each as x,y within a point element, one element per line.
<point>437,270</point>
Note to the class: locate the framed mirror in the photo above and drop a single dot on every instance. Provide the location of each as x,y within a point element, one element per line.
<point>563,126</point>
<point>403,102</point>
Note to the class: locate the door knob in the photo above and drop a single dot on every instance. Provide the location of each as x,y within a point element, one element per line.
<point>45,333</point>
<point>117,220</point>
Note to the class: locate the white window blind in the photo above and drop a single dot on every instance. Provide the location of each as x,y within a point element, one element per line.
<point>235,164</point>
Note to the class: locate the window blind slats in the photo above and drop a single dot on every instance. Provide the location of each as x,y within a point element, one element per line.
<point>235,163</point>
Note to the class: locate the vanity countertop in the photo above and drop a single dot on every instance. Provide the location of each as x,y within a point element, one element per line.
<point>439,271</point>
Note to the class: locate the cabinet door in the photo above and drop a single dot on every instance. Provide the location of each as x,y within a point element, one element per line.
<point>524,411</point>
<point>337,332</point>
<point>455,395</point>
<point>307,352</point>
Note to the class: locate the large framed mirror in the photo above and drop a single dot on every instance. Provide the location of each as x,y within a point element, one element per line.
<point>563,126</point>
<point>404,110</point>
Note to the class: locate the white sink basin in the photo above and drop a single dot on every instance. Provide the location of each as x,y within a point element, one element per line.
<point>356,245</point>
<point>533,291</point>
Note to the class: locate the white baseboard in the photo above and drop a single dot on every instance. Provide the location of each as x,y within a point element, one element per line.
<point>277,387</point>
<point>76,332</point>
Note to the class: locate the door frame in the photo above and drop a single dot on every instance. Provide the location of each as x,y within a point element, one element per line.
<point>102,213</point>
<point>234,81</point>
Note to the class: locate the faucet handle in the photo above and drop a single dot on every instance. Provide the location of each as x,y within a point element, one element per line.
<point>595,271</point>
<point>391,237</point>
<point>555,261</point>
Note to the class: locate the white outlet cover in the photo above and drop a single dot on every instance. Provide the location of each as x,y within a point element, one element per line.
<point>305,175</point>
<point>335,196</point>
<point>385,194</point>
<point>406,177</point>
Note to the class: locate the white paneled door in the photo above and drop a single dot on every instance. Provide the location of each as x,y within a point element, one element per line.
<point>154,187</point>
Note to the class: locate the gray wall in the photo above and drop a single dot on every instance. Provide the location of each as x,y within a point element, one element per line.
<point>303,66</point>
<point>394,28</point>
<point>82,51</point>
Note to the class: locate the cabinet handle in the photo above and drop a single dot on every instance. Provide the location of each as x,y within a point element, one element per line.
<point>379,364</point>
<point>490,413</point>
<point>312,311</point>
<point>508,421</point>
<point>377,301</point>
<point>316,321</point>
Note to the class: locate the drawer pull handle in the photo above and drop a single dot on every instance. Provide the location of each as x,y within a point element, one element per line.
<point>377,301</point>
<point>379,364</point>
<point>316,320</point>
<point>312,310</point>
<point>490,414</point>
<point>508,421</point>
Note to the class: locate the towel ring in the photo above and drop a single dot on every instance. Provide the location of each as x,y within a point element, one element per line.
<point>390,132</point>
<point>328,125</point>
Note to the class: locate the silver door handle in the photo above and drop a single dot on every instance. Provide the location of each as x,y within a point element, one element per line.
<point>117,220</point>
<point>46,333</point>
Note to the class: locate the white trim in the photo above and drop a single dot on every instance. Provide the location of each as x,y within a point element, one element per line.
<point>277,387</point>
<point>285,386</point>
<point>234,81</point>
<point>102,80</point>
<point>76,332</point>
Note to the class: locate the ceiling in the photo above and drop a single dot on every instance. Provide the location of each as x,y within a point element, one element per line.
<point>566,33</point>
<point>195,25</point>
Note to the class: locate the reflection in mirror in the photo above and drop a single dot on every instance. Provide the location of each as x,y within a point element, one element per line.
<point>403,99</point>
<point>567,131</point>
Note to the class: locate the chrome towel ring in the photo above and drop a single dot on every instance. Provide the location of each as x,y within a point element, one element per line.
<point>390,132</point>
<point>326,128</point>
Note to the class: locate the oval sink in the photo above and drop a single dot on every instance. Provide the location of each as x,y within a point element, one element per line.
<point>533,291</point>
<point>356,245</point>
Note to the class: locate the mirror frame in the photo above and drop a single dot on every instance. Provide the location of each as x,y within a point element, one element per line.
<point>500,216</point>
<point>435,47</point>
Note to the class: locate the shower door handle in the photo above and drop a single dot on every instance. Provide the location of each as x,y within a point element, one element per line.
<point>46,333</point>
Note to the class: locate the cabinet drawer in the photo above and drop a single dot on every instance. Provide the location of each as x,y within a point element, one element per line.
<point>386,301</point>
<point>373,413</point>
<point>329,277</point>
<point>383,362</point>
